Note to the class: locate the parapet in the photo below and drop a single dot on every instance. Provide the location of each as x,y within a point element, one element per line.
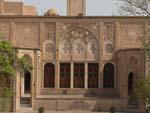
<point>29,10</point>
<point>16,7</point>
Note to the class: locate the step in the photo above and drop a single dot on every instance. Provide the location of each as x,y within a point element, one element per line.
<point>25,105</point>
<point>132,107</point>
<point>26,109</point>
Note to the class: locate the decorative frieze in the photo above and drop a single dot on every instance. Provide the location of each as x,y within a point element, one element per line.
<point>109,37</point>
<point>79,44</point>
<point>50,31</point>
<point>131,34</point>
<point>109,32</point>
<point>64,27</point>
<point>27,35</point>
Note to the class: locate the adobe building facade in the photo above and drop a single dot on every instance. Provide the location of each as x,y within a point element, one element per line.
<point>79,62</point>
<point>15,7</point>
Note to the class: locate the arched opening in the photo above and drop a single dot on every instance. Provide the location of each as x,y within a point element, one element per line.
<point>108,78</point>
<point>27,82</point>
<point>93,75</point>
<point>49,75</point>
<point>130,83</point>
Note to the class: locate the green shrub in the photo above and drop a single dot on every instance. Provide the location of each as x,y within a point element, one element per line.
<point>41,110</point>
<point>112,109</point>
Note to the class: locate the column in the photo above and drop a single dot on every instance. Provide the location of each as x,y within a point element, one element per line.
<point>57,65</point>
<point>57,75</point>
<point>101,55</point>
<point>72,76</point>
<point>86,76</point>
<point>16,99</point>
<point>12,34</point>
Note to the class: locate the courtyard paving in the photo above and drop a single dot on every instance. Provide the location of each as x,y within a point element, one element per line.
<point>70,112</point>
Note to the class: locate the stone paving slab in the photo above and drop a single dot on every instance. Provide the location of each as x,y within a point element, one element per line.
<point>69,112</point>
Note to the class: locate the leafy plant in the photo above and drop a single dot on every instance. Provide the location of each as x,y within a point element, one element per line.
<point>41,110</point>
<point>10,63</point>
<point>142,89</point>
<point>112,109</point>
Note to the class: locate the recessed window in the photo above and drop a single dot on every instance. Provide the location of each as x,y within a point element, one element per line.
<point>65,75</point>
<point>93,75</point>
<point>49,75</point>
<point>79,73</point>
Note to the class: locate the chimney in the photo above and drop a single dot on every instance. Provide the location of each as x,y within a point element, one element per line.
<point>76,7</point>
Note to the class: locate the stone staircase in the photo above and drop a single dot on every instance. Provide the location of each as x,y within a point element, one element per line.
<point>25,105</point>
<point>25,102</point>
<point>132,107</point>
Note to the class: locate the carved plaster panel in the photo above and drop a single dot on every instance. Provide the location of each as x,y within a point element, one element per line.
<point>93,27</point>
<point>130,35</point>
<point>4,31</point>
<point>79,44</point>
<point>65,49</point>
<point>50,31</point>
<point>109,32</point>
<point>49,50</point>
<point>109,38</point>
<point>27,35</point>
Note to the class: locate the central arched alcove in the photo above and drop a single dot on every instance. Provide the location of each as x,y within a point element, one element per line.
<point>80,43</point>
<point>108,78</point>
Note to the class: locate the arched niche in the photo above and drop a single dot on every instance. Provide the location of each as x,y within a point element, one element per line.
<point>80,43</point>
<point>49,50</point>
<point>108,76</point>
<point>49,75</point>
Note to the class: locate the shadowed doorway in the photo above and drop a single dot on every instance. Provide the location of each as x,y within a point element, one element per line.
<point>130,83</point>
<point>27,82</point>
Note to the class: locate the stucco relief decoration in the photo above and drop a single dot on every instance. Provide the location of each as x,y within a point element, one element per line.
<point>50,31</point>
<point>80,41</point>
<point>109,32</point>
<point>109,48</point>
<point>93,46</point>
<point>78,47</point>
<point>27,32</point>
<point>49,48</point>
<point>4,31</point>
<point>132,32</point>
<point>64,27</point>
<point>66,47</point>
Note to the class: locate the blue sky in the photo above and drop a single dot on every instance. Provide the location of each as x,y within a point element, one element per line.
<point>93,7</point>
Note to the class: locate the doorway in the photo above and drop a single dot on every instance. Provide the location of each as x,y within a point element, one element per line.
<point>130,83</point>
<point>27,82</point>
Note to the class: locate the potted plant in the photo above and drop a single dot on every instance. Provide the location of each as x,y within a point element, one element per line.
<point>112,109</point>
<point>41,110</point>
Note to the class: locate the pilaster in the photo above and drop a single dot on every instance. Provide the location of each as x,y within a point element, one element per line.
<point>57,65</point>
<point>72,75</point>
<point>101,42</point>
<point>86,76</point>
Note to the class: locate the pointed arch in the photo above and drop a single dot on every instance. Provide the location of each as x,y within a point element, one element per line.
<point>108,77</point>
<point>49,75</point>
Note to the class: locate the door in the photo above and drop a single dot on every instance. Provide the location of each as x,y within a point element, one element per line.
<point>27,82</point>
<point>130,83</point>
<point>92,75</point>
<point>65,75</point>
<point>79,73</point>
